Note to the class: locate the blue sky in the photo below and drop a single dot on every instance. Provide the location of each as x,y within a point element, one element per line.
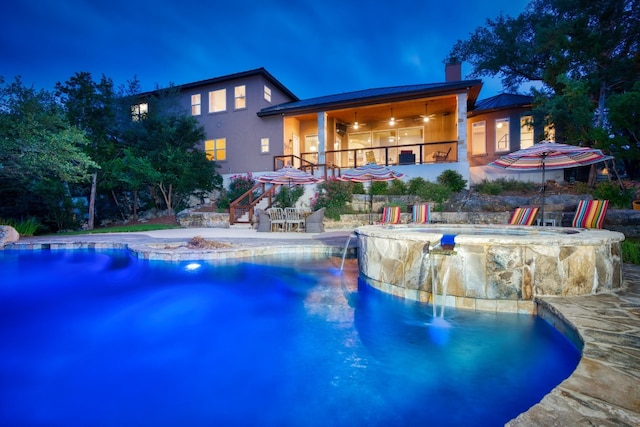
<point>314,48</point>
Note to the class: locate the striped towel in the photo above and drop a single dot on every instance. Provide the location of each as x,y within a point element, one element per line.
<point>391,215</point>
<point>524,216</point>
<point>421,214</point>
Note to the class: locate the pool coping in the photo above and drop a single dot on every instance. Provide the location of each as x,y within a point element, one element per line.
<point>603,390</point>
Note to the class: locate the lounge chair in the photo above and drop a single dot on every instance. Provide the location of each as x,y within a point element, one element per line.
<point>421,213</point>
<point>313,223</point>
<point>264,221</point>
<point>390,215</point>
<point>524,216</point>
<point>590,214</point>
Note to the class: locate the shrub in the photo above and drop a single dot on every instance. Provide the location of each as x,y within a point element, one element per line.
<point>238,185</point>
<point>631,251</point>
<point>358,188</point>
<point>502,185</point>
<point>379,188</point>
<point>434,192</point>
<point>453,180</point>
<point>414,184</point>
<point>397,187</point>
<point>26,227</point>
<point>334,196</point>
<point>616,196</point>
<point>288,196</point>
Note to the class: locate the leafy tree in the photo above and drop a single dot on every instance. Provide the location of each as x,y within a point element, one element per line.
<point>624,118</point>
<point>37,145</point>
<point>90,105</point>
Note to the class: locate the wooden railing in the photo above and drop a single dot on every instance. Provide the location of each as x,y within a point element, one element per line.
<point>329,169</point>
<point>247,202</point>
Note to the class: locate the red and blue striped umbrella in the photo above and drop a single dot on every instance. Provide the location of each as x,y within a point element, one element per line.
<point>549,155</point>
<point>288,175</point>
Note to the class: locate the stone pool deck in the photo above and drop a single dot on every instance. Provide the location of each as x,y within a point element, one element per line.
<point>604,390</point>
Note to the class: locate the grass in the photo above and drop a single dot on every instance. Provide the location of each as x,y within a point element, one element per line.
<point>122,229</point>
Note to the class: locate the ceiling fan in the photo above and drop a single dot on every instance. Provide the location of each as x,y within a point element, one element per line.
<point>426,117</point>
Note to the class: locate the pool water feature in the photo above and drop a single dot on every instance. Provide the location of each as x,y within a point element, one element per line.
<point>102,338</point>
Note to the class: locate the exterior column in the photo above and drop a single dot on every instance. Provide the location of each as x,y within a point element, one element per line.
<point>462,127</point>
<point>322,137</point>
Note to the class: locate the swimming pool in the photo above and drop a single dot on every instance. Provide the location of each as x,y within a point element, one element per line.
<point>102,338</point>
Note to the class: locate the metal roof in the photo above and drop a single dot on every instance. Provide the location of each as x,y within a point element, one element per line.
<point>373,96</point>
<point>502,101</point>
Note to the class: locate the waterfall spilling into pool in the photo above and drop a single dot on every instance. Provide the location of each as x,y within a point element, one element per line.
<point>493,267</point>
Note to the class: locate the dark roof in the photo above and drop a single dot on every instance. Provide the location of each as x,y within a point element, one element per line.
<point>230,77</point>
<point>502,101</point>
<point>369,96</point>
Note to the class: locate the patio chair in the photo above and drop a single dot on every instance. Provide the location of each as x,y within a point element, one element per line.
<point>278,219</point>
<point>370,157</point>
<point>524,215</point>
<point>294,219</point>
<point>590,214</point>
<point>441,156</point>
<point>421,213</point>
<point>264,221</point>
<point>390,215</point>
<point>314,222</point>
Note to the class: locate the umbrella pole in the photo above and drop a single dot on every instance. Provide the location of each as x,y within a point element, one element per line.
<point>370,205</point>
<point>543,191</point>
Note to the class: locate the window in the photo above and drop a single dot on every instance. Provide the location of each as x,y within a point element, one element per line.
<point>311,148</point>
<point>502,135</point>
<point>195,104</point>
<point>526,132</point>
<point>139,111</point>
<point>267,93</point>
<point>240,97</point>
<point>264,145</point>
<point>218,100</point>
<point>216,149</point>
<point>478,138</point>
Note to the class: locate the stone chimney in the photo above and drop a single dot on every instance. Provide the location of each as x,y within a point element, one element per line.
<point>453,72</point>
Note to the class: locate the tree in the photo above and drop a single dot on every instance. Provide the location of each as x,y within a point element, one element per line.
<point>37,144</point>
<point>580,51</point>
<point>90,106</point>
<point>624,118</point>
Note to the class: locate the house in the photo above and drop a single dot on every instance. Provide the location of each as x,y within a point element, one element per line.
<point>253,123</point>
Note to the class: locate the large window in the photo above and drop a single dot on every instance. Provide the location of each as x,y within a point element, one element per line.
<point>478,138</point>
<point>240,97</point>
<point>267,93</point>
<point>311,146</point>
<point>526,132</point>
<point>502,135</point>
<point>264,145</point>
<point>217,100</point>
<point>196,103</point>
<point>216,149</point>
<point>139,111</point>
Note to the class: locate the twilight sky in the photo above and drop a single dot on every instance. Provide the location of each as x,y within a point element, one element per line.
<point>314,48</point>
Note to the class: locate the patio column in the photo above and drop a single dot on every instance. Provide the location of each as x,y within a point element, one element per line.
<point>462,127</point>
<point>322,136</point>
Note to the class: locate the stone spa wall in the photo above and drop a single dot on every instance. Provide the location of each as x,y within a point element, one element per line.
<point>491,267</point>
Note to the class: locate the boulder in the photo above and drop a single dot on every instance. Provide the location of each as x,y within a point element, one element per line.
<point>8,235</point>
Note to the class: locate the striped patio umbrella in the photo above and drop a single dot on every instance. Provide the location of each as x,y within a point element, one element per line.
<point>369,173</point>
<point>549,156</point>
<point>288,175</point>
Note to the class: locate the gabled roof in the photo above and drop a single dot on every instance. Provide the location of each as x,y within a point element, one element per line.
<point>236,76</point>
<point>374,96</point>
<point>502,101</point>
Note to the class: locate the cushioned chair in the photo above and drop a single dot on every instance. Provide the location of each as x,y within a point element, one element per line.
<point>390,215</point>
<point>524,216</point>
<point>590,214</point>
<point>264,221</point>
<point>421,213</point>
<point>313,223</point>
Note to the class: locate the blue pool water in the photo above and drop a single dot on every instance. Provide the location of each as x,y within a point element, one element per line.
<point>102,339</point>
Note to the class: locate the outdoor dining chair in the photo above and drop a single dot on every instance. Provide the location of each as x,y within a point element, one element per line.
<point>294,219</point>
<point>278,219</point>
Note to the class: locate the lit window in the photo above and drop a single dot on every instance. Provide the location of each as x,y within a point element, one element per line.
<point>216,149</point>
<point>139,111</point>
<point>478,138</point>
<point>195,104</point>
<point>502,135</point>
<point>240,96</point>
<point>217,100</point>
<point>267,93</point>
<point>264,145</point>
<point>526,132</point>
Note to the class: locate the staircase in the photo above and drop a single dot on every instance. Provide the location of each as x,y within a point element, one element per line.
<point>242,209</point>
